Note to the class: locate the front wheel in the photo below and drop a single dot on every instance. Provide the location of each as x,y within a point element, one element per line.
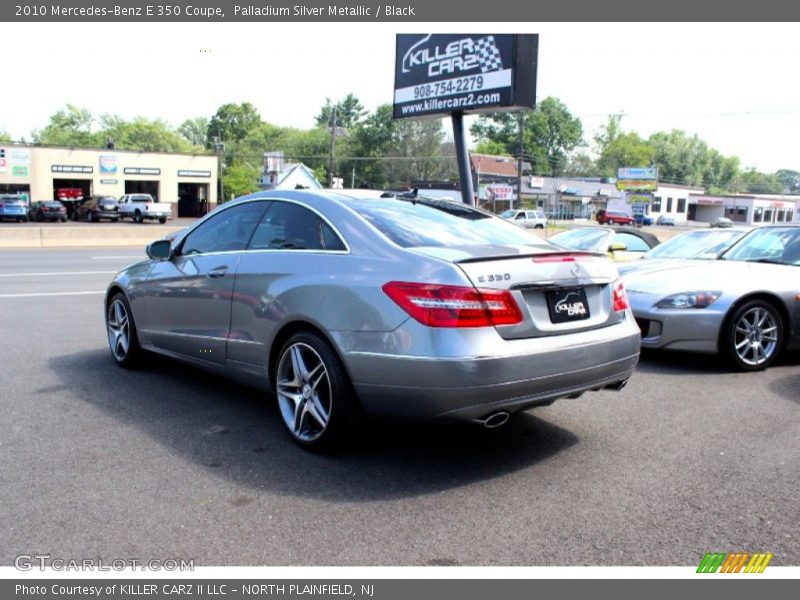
<point>315,397</point>
<point>753,336</point>
<point>122,337</point>
<point>137,217</point>
<point>162,220</point>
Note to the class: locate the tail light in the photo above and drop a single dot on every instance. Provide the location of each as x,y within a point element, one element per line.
<point>620,297</point>
<point>454,306</point>
<point>558,257</point>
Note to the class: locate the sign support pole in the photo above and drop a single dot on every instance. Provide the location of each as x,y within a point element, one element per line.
<point>462,158</point>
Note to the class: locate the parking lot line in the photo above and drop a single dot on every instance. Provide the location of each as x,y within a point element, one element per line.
<point>43,294</point>
<point>57,273</point>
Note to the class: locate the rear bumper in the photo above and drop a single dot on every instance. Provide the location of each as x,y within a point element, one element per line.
<point>519,374</point>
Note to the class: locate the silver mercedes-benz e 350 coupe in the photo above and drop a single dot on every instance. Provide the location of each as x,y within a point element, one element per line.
<point>398,307</point>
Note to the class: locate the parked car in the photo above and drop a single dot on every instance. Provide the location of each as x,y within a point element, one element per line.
<point>743,305</point>
<point>97,208</point>
<point>665,221</point>
<point>621,244</point>
<point>13,207</point>
<point>532,219</point>
<point>47,210</point>
<point>339,304</point>
<point>613,217</point>
<point>721,222</point>
<point>143,207</point>
<point>699,244</point>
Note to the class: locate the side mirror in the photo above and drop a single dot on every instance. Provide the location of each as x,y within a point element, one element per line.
<point>617,247</point>
<point>160,250</point>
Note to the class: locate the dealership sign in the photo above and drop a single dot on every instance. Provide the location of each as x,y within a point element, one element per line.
<point>643,179</point>
<point>440,74</point>
<point>639,198</point>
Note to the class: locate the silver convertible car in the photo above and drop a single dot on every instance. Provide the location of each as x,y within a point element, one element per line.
<point>390,307</point>
<point>745,305</point>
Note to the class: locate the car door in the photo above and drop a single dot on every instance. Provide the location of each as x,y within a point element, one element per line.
<point>291,248</point>
<point>188,298</point>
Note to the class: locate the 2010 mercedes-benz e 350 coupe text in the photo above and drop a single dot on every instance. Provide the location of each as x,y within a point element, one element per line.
<point>393,307</point>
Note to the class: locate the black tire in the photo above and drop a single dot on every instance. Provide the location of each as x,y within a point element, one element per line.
<point>132,357</point>
<point>162,220</point>
<point>137,217</point>
<point>90,217</point>
<point>756,327</point>
<point>114,220</point>
<point>63,219</point>
<point>345,417</point>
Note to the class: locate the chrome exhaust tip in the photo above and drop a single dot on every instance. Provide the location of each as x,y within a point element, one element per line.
<point>617,386</point>
<point>496,420</point>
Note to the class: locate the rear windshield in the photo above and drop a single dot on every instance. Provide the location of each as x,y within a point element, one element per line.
<point>696,244</point>
<point>142,199</point>
<point>587,239</point>
<point>439,223</point>
<point>13,201</point>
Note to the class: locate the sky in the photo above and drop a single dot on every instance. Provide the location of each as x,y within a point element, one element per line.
<point>734,85</point>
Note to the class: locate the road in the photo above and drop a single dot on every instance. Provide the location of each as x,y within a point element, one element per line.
<point>168,462</point>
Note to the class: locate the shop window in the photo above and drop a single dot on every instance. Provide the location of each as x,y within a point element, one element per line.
<point>741,214</point>
<point>657,204</point>
<point>681,205</point>
<point>669,205</point>
<point>758,214</point>
<point>780,215</point>
<point>768,215</point>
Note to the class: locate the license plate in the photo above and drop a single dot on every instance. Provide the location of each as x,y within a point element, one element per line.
<point>567,305</point>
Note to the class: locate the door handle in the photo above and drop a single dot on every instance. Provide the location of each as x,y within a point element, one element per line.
<point>218,271</point>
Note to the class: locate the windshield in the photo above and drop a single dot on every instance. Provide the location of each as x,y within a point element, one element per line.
<point>696,244</point>
<point>508,214</point>
<point>780,245</point>
<point>586,239</point>
<point>438,223</point>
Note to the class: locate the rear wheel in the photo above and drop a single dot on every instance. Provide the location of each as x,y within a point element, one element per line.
<point>137,217</point>
<point>122,337</point>
<point>162,220</point>
<point>90,217</point>
<point>315,397</point>
<point>753,336</point>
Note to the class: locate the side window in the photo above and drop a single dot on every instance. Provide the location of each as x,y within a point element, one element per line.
<point>520,216</point>
<point>227,231</point>
<point>289,226</point>
<point>634,243</point>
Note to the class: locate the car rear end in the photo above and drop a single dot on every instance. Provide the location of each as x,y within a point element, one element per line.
<point>13,208</point>
<point>106,208</point>
<point>52,211</point>
<point>491,330</point>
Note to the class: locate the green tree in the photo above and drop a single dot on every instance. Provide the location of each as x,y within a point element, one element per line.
<point>550,134</point>
<point>755,182</point>
<point>143,134</point>
<point>580,164</point>
<point>490,147</point>
<point>4,137</point>
<point>790,180</point>
<point>241,179</point>
<point>195,131</point>
<point>71,126</point>
<point>349,111</point>
<point>233,122</point>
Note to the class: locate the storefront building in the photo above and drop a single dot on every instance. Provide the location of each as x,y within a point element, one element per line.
<point>186,181</point>
<point>755,210</point>
<point>570,199</point>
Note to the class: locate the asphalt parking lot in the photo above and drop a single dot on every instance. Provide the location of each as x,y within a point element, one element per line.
<point>168,462</point>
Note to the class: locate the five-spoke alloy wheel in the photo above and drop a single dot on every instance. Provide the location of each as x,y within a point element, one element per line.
<point>121,329</point>
<point>754,335</point>
<point>315,397</point>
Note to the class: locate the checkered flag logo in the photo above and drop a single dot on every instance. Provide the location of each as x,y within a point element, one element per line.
<point>488,54</point>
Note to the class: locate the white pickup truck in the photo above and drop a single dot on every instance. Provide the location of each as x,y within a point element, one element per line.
<point>141,207</point>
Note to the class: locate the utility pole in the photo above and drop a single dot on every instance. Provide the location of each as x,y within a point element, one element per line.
<point>219,148</point>
<point>333,146</point>
<point>519,160</point>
